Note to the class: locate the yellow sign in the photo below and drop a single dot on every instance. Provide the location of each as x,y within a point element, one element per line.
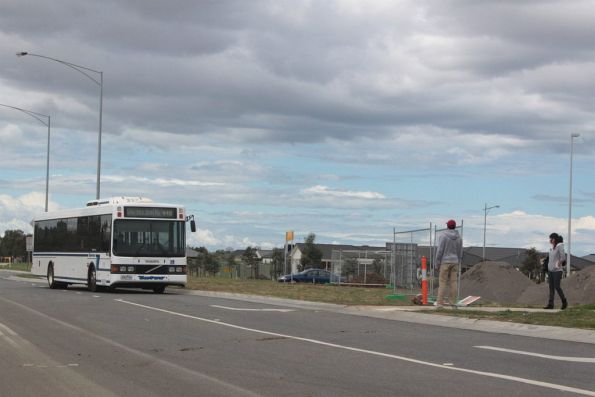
<point>289,236</point>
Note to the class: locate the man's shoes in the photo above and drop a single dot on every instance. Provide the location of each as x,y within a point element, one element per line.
<point>564,305</point>
<point>549,307</point>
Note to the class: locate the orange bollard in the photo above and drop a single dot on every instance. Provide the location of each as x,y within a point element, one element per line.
<point>424,280</point>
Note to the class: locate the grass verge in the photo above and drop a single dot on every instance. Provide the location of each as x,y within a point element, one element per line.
<point>325,293</point>
<point>25,267</point>
<point>574,317</point>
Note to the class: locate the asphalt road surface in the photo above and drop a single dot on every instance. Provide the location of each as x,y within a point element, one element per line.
<point>132,343</point>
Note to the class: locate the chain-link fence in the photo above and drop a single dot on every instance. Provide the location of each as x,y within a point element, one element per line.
<point>361,267</point>
<point>407,249</point>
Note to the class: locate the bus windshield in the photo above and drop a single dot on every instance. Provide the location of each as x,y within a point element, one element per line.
<point>149,238</point>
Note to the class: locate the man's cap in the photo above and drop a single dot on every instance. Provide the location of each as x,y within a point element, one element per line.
<point>451,224</point>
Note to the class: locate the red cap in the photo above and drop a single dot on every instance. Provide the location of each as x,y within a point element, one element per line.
<point>451,224</point>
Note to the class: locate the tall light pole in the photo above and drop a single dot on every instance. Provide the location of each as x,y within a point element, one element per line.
<point>37,116</point>
<point>485,218</point>
<point>83,70</point>
<point>572,136</point>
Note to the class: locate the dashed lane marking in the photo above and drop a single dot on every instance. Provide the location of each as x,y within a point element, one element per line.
<point>547,356</point>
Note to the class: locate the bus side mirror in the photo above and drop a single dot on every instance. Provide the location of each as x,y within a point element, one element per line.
<point>192,223</point>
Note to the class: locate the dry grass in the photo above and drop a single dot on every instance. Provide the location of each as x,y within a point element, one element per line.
<point>573,317</point>
<point>308,292</point>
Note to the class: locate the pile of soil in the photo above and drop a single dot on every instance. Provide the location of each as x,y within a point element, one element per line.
<point>497,282</point>
<point>579,289</point>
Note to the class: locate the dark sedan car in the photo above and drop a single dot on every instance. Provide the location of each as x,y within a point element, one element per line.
<point>308,276</point>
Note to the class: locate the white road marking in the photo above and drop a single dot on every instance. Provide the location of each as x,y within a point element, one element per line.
<point>549,357</point>
<point>96,296</point>
<point>7,338</point>
<point>448,364</point>
<point>7,330</point>
<point>253,310</point>
<point>375,353</point>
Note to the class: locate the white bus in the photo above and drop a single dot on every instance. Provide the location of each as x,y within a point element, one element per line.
<point>118,242</point>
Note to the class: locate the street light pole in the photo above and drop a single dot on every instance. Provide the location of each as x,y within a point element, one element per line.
<point>37,116</point>
<point>485,218</point>
<point>572,136</point>
<point>83,70</point>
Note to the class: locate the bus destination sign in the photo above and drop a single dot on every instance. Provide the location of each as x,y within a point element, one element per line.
<point>150,212</point>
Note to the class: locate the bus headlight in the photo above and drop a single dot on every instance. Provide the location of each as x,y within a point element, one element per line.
<point>122,269</point>
<point>179,269</point>
<point>130,268</point>
<point>172,269</point>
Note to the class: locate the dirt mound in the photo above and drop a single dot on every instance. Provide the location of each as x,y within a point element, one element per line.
<point>535,294</point>
<point>496,282</point>
<point>579,289</point>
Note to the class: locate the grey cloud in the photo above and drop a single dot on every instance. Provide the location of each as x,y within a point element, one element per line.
<point>306,72</point>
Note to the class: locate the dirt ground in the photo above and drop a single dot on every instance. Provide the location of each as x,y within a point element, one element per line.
<point>500,282</point>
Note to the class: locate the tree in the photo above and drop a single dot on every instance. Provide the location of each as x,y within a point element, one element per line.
<point>212,264</point>
<point>377,265</point>
<point>531,265</point>
<point>231,264</point>
<point>13,244</point>
<point>311,254</point>
<point>201,259</point>
<point>250,259</point>
<point>278,263</point>
<point>350,267</point>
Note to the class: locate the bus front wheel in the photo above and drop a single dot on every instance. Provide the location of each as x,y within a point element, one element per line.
<point>159,289</point>
<point>92,279</point>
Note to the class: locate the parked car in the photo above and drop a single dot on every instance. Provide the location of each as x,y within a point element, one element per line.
<point>320,276</point>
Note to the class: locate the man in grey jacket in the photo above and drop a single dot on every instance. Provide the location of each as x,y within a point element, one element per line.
<point>448,257</point>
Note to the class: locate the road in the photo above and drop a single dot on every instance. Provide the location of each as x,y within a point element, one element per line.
<point>131,343</point>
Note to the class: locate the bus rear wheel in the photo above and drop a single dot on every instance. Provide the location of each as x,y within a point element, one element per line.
<point>159,289</point>
<point>52,283</point>
<point>92,280</point>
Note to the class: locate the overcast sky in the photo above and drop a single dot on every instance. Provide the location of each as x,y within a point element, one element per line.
<point>342,118</point>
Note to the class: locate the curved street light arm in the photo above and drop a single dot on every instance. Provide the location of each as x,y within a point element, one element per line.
<point>37,116</point>
<point>31,113</point>
<point>69,64</point>
<point>81,70</point>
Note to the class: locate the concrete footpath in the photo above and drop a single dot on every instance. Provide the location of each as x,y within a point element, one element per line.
<point>410,314</point>
<point>414,314</point>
